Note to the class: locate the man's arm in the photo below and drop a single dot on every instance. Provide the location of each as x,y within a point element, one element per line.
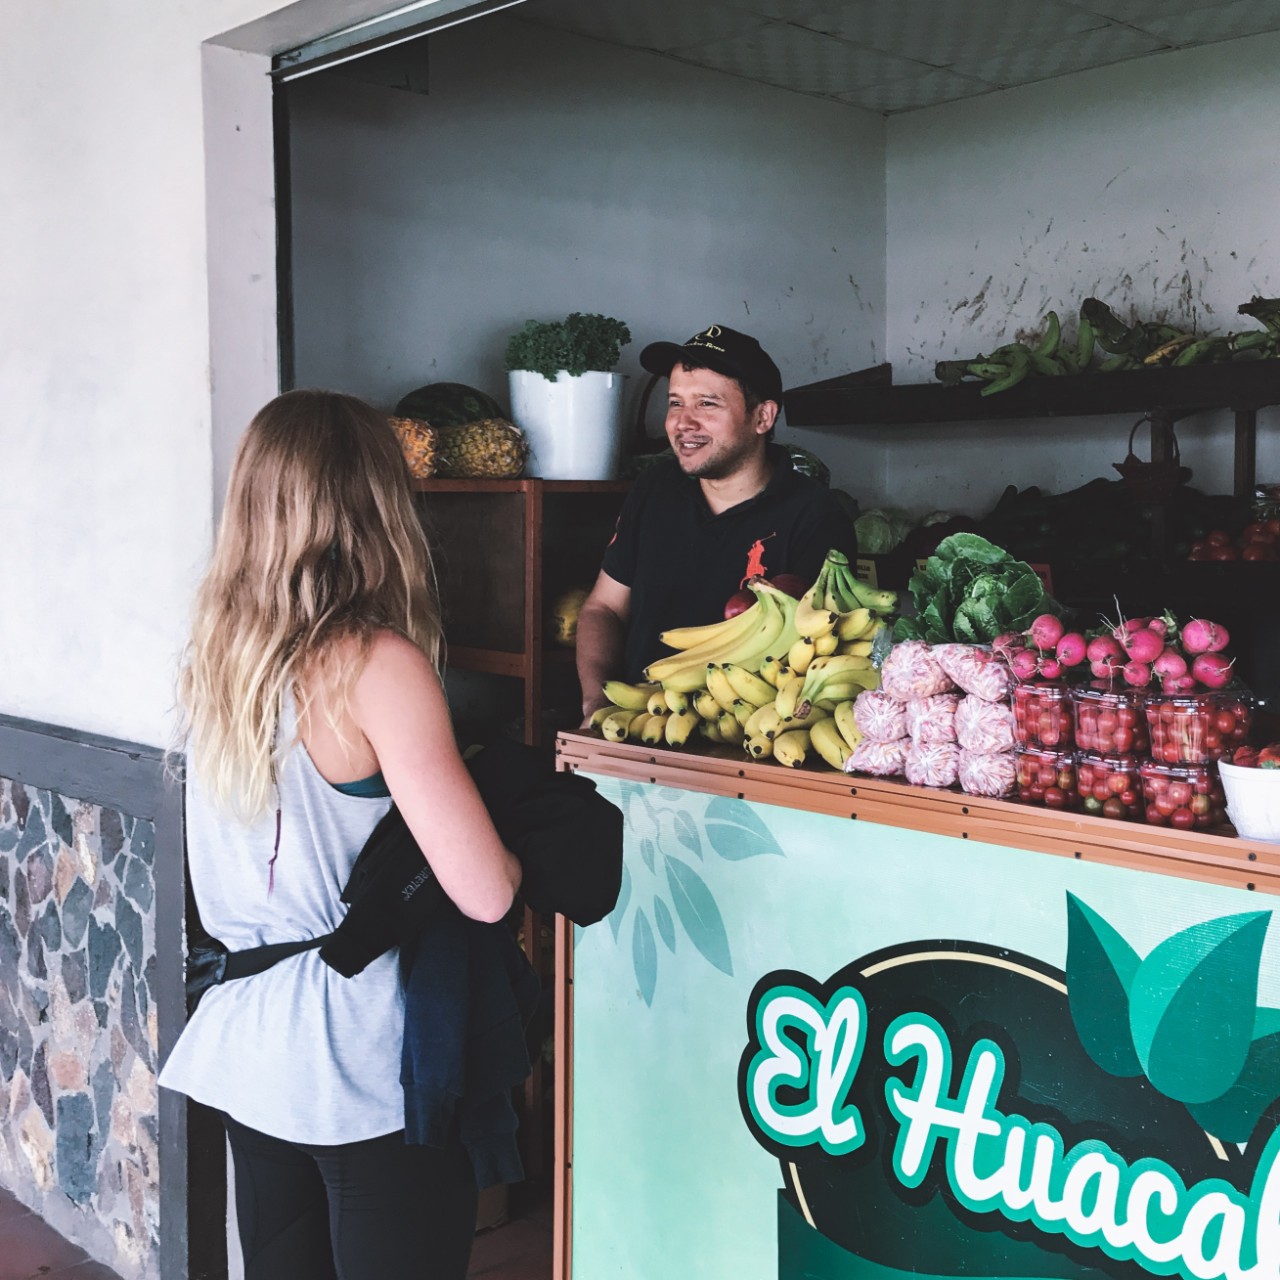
<point>602,637</point>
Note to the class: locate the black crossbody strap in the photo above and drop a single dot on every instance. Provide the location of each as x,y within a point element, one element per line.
<point>244,964</point>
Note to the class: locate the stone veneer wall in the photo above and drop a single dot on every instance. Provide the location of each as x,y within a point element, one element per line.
<point>79,1130</point>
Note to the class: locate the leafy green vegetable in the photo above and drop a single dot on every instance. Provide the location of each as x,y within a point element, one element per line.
<point>576,345</point>
<point>970,590</point>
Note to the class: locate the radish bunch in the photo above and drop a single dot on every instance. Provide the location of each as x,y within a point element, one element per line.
<point>1141,652</point>
<point>1046,650</point>
<point>1147,652</point>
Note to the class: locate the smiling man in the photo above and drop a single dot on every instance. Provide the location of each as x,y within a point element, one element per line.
<point>727,507</point>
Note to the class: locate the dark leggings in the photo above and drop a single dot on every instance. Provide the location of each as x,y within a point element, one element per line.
<point>374,1210</point>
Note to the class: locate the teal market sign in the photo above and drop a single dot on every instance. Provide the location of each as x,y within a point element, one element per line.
<point>952,1109</point>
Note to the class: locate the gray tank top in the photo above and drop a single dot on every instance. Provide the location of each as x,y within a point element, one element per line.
<point>298,1052</point>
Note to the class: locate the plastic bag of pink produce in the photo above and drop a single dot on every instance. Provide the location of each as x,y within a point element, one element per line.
<point>880,717</point>
<point>984,773</point>
<point>932,719</point>
<point>932,764</point>
<point>882,759</point>
<point>976,670</point>
<point>911,671</point>
<point>984,726</point>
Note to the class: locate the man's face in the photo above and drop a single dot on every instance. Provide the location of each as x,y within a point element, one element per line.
<point>709,426</point>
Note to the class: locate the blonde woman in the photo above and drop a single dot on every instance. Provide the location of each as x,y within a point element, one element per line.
<point>312,699</point>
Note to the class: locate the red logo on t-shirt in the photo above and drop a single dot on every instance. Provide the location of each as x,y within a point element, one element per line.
<point>755,560</point>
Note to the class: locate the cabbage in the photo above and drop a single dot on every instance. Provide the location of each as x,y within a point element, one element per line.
<point>900,522</point>
<point>875,533</point>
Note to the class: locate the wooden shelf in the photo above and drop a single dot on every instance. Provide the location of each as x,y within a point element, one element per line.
<point>1194,855</point>
<point>526,484</point>
<point>855,400</point>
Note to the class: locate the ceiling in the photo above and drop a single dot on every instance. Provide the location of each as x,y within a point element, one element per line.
<point>900,55</point>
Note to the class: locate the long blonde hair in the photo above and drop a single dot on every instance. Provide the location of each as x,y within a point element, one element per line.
<point>319,542</point>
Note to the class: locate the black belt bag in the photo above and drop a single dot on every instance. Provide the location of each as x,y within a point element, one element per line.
<point>567,837</point>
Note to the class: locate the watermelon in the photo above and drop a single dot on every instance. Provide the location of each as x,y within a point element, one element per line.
<point>448,404</point>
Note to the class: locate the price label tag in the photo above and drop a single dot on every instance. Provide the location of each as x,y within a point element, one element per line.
<point>865,571</point>
<point>1042,572</point>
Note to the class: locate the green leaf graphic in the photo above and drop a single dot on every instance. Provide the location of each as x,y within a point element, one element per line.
<point>687,832</point>
<point>736,832</point>
<point>1100,971</point>
<point>666,926</point>
<point>620,907</point>
<point>644,956</point>
<point>1234,1116</point>
<point>647,850</point>
<point>1193,1004</point>
<point>699,914</point>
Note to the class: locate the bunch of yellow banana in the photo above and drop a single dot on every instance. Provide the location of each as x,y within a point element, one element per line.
<point>783,667</point>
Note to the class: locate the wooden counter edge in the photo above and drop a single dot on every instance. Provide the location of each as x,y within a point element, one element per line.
<point>1217,859</point>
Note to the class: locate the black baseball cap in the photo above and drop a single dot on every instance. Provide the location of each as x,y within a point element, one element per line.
<point>726,351</point>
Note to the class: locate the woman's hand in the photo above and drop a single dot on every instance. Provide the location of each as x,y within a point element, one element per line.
<point>399,706</point>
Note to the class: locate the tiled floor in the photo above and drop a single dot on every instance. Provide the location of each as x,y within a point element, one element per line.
<point>32,1250</point>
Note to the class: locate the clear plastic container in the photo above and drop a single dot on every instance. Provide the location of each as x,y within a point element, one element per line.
<point>1109,786</point>
<point>1195,728</point>
<point>1109,720</point>
<point>1047,778</point>
<point>1042,716</point>
<point>1185,796</point>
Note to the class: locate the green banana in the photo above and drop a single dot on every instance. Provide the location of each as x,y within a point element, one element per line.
<point>1086,339</point>
<point>1019,367</point>
<point>987,369</point>
<point>1048,344</point>
<point>1046,366</point>
<point>950,372</point>
<point>1267,310</point>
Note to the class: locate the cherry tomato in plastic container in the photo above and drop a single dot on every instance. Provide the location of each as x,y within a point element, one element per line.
<point>1196,728</point>
<point>1047,778</point>
<point>1042,715</point>
<point>1109,786</point>
<point>1108,720</point>
<point>1186,796</point>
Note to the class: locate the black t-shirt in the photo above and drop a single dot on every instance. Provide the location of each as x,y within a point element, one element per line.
<point>683,563</point>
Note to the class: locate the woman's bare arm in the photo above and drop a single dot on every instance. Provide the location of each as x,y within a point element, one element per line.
<point>399,706</point>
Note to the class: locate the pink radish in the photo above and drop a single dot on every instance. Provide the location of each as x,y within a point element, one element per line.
<point>1212,670</point>
<point>1137,674</point>
<point>1051,668</point>
<point>1024,664</point>
<point>1144,645</point>
<point>1008,643</point>
<point>1202,636</point>
<point>1071,649</point>
<point>1159,625</point>
<point>1045,632</point>
<point>1102,648</point>
<point>1170,663</point>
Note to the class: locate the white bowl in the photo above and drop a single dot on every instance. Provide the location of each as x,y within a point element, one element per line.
<point>1253,801</point>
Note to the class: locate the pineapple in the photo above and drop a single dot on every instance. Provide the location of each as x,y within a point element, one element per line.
<point>489,447</point>
<point>419,444</point>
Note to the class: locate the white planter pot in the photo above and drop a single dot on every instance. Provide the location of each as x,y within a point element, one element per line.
<point>573,425</point>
